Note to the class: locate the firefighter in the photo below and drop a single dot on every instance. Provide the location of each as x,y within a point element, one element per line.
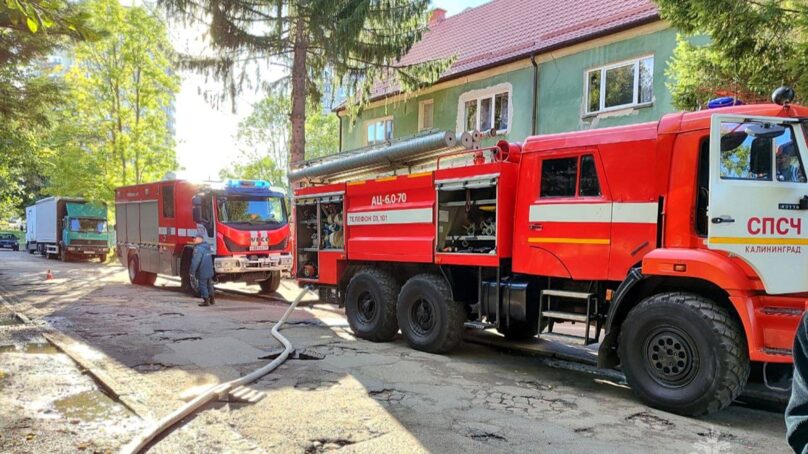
<point>788,164</point>
<point>797,411</point>
<point>202,269</point>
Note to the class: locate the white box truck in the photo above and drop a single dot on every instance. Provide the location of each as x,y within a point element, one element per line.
<point>68,228</point>
<point>30,229</point>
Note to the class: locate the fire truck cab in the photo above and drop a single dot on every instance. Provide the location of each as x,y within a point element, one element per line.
<point>244,221</point>
<point>676,244</point>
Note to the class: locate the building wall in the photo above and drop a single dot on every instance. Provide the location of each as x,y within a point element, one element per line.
<point>561,84</point>
<point>561,93</point>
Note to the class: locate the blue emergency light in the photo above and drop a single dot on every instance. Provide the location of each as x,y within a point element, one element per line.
<point>726,101</point>
<point>258,184</point>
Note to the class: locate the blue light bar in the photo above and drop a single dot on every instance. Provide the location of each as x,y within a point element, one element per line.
<point>260,184</point>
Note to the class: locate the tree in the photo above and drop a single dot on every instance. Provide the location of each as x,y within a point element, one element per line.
<point>29,31</point>
<point>358,41</point>
<point>263,138</point>
<point>754,47</point>
<point>115,131</point>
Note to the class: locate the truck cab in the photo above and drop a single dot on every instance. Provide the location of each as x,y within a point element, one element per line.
<point>84,231</point>
<point>246,224</point>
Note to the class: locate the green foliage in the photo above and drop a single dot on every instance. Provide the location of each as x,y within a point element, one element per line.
<point>755,46</point>
<point>263,138</point>
<point>114,130</point>
<point>38,16</point>
<point>357,42</point>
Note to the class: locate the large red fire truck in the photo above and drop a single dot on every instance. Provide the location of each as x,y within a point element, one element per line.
<point>244,221</point>
<point>682,239</point>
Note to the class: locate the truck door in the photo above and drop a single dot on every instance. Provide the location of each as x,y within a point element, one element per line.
<point>568,219</point>
<point>757,180</point>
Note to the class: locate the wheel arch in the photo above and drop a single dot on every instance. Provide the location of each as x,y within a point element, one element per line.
<point>637,286</point>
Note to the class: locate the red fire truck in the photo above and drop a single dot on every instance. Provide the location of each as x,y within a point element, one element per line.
<point>244,221</point>
<point>682,239</point>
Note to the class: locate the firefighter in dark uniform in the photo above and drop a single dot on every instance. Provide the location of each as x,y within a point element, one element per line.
<point>202,269</point>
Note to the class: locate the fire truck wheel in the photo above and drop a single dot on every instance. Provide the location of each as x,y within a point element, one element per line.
<point>370,304</point>
<point>683,353</point>
<point>138,276</point>
<point>427,316</point>
<point>271,285</point>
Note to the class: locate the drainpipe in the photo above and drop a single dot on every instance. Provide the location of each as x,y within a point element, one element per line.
<point>535,113</point>
<point>340,132</point>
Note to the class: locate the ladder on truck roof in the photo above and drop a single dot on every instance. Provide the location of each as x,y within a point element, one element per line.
<point>403,156</point>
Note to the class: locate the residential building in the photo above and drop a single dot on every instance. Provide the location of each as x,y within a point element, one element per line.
<point>526,67</point>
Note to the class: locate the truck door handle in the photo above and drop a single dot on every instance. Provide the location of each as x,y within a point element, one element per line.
<point>723,220</point>
<point>536,226</point>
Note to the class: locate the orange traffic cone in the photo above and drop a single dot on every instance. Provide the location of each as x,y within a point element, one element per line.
<point>49,275</point>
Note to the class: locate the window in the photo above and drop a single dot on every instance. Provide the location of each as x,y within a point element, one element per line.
<point>750,152</point>
<point>590,187</point>
<point>620,85</point>
<point>168,201</point>
<point>252,211</point>
<point>560,177</point>
<point>485,109</point>
<point>425,115</point>
<point>380,130</point>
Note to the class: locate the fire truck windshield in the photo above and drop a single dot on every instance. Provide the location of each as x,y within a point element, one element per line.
<point>251,210</point>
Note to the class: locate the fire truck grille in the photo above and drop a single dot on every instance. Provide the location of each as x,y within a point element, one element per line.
<point>233,247</point>
<point>88,243</point>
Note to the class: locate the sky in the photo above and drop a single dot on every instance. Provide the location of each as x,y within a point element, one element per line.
<point>205,134</point>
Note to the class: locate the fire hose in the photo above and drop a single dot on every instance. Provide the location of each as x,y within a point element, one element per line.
<point>217,391</point>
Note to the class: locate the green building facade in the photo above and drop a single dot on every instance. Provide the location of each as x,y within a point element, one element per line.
<point>611,81</point>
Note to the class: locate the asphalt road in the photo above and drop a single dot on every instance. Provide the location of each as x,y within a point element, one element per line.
<point>143,350</point>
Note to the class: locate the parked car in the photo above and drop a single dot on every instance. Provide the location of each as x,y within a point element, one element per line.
<point>8,240</point>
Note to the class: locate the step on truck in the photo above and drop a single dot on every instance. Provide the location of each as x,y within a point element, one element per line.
<point>244,221</point>
<point>678,245</point>
<point>68,228</point>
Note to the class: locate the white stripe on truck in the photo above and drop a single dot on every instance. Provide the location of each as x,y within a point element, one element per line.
<point>630,213</point>
<point>407,216</point>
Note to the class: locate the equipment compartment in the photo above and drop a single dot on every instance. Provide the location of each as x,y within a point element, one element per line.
<point>467,220</point>
<point>319,228</point>
<point>332,232</point>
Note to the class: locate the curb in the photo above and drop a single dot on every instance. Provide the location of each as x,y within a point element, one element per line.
<point>67,345</point>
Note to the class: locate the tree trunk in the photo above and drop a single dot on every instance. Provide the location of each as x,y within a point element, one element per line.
<point>137,127</point>
<point>299,95</point>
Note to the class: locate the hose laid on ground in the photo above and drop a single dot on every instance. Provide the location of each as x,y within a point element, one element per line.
<point>217,391</point>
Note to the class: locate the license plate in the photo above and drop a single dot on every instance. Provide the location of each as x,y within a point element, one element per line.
<point>89,252</point>
<point>259,248</point>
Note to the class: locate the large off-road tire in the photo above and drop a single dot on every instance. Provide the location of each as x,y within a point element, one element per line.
<point>683,353</point>
<point>427,316</point>
<point>271,284</point>
<point>102,258</point>
<point>138,276</point>
<point>370,305</point>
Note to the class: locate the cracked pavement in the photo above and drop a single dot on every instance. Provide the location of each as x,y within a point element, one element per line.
<point>154,347</point>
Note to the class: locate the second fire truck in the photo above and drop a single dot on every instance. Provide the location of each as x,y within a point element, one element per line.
<point>683,240</point>
<point>244,221</point>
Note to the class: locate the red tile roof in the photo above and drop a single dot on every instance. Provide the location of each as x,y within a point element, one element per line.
<point>504,30</point>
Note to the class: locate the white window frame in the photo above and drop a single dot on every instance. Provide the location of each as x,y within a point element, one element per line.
<point>377,120</point>
<point>421,106</point>
<point>602,102</point>
<point>484,93</point>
